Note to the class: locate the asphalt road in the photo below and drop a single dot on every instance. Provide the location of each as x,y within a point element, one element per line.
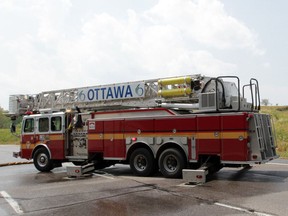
<point>262,190</point>
<point>6,152</point>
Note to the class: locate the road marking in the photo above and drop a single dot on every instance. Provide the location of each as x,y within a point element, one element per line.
<point>187,185</point>
<point>104,176</point>
<point>12,202</point>
<point>242,209</point>
<point>282,164</point>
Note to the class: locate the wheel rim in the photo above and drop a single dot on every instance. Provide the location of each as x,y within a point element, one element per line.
<point>42,160</point>
<point>140,163</point>
<point>170,163</point>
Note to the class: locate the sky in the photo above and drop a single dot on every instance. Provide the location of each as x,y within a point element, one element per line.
<point>57,44</point>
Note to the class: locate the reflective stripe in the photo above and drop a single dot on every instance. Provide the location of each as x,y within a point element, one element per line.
<point>197,135</point>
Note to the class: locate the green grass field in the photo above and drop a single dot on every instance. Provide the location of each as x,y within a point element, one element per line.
<point>280,119</point>
<point>7,138</point>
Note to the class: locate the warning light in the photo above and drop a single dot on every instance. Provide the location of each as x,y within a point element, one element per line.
<point>250,115</point>
<point>134,139</point>
<point>199,176</point>
<point>77,171</point>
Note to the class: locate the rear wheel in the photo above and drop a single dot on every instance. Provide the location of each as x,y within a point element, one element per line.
<point>171,163</point>
<point>142,162</point>
<point>42,161</point>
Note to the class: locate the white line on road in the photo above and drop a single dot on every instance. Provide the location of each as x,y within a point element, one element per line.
<point>188,185</point>
<point>282,164</point>
<point>104,176</point>
<point>242,209</point>
<point>12,202</point>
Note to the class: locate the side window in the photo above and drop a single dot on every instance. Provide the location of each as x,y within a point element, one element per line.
<point>29,125</point>
<point>56,123</point>
<point>43,124</point>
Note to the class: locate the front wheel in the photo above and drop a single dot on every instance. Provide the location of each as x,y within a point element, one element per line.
<point>171,163</point>
<point>142,162</point>
<point>42,161</point>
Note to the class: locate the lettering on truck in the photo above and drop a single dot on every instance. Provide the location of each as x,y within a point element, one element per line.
<point>116,91</point>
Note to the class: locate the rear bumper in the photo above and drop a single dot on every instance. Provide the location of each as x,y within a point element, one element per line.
<point>233,163</point>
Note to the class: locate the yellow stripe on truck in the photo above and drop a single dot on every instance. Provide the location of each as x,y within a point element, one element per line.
<point>198,135</point>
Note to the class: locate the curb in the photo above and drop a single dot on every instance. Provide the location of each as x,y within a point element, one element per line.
<point>15,163</point>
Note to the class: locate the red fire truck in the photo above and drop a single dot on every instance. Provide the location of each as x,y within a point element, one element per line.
<point>169,124</point>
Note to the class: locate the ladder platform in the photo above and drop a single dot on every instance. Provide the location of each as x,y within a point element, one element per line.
<point>80,171</point>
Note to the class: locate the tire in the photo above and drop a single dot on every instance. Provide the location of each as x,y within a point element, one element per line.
<point>142,162</point>
<point>42,161</point>
<point>171,163</point>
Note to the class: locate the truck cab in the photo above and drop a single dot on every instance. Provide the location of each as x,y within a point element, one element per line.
<point>42,138</point>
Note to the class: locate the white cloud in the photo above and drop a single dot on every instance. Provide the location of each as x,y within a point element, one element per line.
<point>206,21</point>
<point>6,4</point>
<point>201,62</point>
<point>51,18</point>
<point>172,38</point>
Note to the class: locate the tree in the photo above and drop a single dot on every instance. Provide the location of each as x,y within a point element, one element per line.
<point>4,120</point>
<point>265,102</point>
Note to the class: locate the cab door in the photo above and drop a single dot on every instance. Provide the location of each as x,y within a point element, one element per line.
<point>57,136</point>
<point>28,137</point>
<point>49,130</point>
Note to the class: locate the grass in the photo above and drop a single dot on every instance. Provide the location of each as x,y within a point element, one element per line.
<point>7,138</point>
<point>279,114</point>
<point>280,119</point>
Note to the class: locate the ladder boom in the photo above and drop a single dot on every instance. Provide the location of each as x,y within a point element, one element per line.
<point>183,92</point>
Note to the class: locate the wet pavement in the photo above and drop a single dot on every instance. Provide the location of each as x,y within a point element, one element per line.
<point>261,190</point>
<point>6,154</point>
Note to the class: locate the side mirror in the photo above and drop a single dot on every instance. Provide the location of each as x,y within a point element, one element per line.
<point>13,128</point>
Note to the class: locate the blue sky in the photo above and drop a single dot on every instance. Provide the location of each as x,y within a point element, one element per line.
<point>58,44</point>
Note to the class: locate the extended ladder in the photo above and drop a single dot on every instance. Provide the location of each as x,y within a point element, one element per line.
<point>146,93</point>
<point>190,92</point>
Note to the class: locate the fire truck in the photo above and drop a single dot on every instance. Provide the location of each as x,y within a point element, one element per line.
<point>172,125</point>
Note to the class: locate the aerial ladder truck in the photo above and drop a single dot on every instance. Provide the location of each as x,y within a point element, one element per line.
<point>181,126</point>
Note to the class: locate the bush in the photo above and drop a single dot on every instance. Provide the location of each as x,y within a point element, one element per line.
<point>7,138</point>
<point>4,120</point>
